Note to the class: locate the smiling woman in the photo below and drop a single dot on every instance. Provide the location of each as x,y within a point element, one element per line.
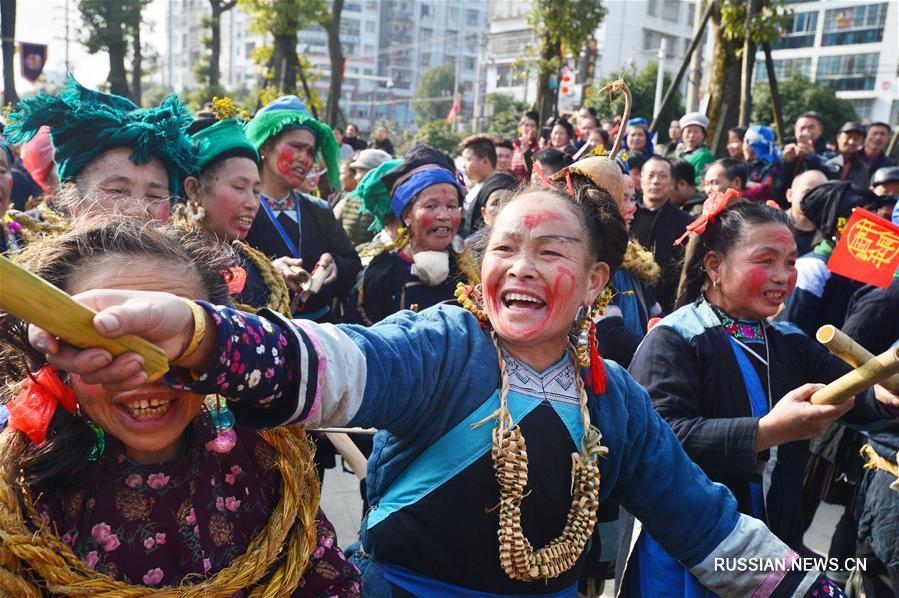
<point>566,430</point>
<point>149,484</point>
<point>735,386</point>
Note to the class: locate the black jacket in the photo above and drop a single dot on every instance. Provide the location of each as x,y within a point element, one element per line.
<point>321,233</point>
<point>657,230</point>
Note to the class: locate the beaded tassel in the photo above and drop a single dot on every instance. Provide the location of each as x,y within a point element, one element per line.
<point>468,298</point>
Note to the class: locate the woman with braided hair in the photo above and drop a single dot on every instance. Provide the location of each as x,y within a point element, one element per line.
<point>104,490</point>
<point>222,201</point>
<point>500,434</point>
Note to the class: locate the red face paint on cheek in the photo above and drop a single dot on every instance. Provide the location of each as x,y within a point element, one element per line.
<point>286,157</point>
<point>535,219</point>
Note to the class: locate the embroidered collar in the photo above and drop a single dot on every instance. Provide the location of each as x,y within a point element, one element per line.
<point>743,330</point>
<point>281,205</point>
<point>557,383</point>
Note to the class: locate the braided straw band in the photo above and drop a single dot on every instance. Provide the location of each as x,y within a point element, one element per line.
<point>510,463</point>
<point>290,535</point>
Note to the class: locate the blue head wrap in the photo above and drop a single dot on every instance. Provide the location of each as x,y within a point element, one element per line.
<point>406,191</point>
<point>289,103</point>
<point>641,122</point>
<point>762,141</point>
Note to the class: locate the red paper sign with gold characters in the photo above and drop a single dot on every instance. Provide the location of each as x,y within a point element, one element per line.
<point>868,250</point>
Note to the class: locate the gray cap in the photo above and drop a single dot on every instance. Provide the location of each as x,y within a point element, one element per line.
<point>887,174</point>
<point>369,159</point>
<point>853,127</point>
<point>694,118</point>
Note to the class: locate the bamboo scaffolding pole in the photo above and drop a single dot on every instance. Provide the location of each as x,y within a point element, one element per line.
<point>874,371</point>
<point>842,345</point>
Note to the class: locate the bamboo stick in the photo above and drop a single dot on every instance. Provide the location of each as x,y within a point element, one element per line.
<point>842,345</point>
<point>350,453</point>
<point>38,302</point>
<point>872,372</point>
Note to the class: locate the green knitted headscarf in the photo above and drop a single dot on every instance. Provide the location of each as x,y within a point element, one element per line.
<point>289,112</point>
<point>85,123</point>
<point>375,196</point>
<point>224,139</point>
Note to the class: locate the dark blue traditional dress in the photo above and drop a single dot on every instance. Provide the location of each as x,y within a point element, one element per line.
<point>432,530</point>
<point>708,376</point>
<point>302,226</point>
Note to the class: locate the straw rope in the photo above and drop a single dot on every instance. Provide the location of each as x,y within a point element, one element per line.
<point>31,546</point>
<point>510,462</point>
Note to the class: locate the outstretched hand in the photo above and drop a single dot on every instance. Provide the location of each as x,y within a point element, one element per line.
<point>161,318</point>
<point>794,417</point>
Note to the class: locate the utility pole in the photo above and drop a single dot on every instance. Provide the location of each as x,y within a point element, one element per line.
<point>695,78</point>
<point>660,80</point>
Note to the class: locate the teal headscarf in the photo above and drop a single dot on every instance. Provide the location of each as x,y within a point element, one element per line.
<point>224,139</point>
<point>289,112</point>
<point>375,196</point>
<point>84,123</point>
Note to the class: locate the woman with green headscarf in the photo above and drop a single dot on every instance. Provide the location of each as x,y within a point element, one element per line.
<point>111,155</point>
<point>295,226</point>
<point>223,200</point>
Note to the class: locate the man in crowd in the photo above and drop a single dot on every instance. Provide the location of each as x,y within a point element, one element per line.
<point>479,162</point>
<point>585,123</point>
<point>725,174</point>
<point>876,140</point>
<point>848,164</point>
<point>658,222</point>
<point>352,138</point>
<point>885,184</point>
<point>504,151</point>
<point>803,228</point>
<point>381,141</point>
<point>551,161</point>
<point>693,132</point>
<point>806,150</point>
<point>346,150</point>
<point>674,138</point>
<point>685,195</point>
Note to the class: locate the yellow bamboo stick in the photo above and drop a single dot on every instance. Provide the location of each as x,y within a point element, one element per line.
<point>38,302</point>
<point>872,372</point>
<point>842,345</point>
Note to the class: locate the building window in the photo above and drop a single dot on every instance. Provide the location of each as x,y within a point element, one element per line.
<point>653,39</point>
<point>504,76</point>
<point>894,112</point>
<point>368,49</point>
<point>425,60</point>
<point>799,32</point>
<point>469,63</point>
<point>671,10</point>
<point>854,25</point>
<point>651,8</point>
<point>785,68</point>
<point>849,72</point>
<point>369,26</point>
<point>471,17</point>
<point>863,108</point>
<point>691,13</point>
<point>454,13</point>
<point>425,10</point>
<point>248,49</point>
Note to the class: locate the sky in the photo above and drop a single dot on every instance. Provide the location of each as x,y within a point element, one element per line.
<point>43,22</point>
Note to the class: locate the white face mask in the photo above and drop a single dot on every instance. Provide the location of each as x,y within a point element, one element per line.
<point>431,267</point>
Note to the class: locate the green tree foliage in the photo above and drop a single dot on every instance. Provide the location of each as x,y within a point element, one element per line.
<point>563,28</point>
<point>283,19</point>
<point>112,27</point>
<point>506,114</point>
<point>435,83</point>
<point>729,30</point>
<point>438,133</point>
<point>798,95</point>
<point>643,91</point>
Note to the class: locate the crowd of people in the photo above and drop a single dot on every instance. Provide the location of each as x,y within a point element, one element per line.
<point>581,363</point>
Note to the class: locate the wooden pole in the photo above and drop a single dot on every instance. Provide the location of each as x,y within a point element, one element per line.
<point>842,345</point>
<point>775,95</point>
<point>669,95</point>
<point>350,453</point>
<point>874,371</point>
